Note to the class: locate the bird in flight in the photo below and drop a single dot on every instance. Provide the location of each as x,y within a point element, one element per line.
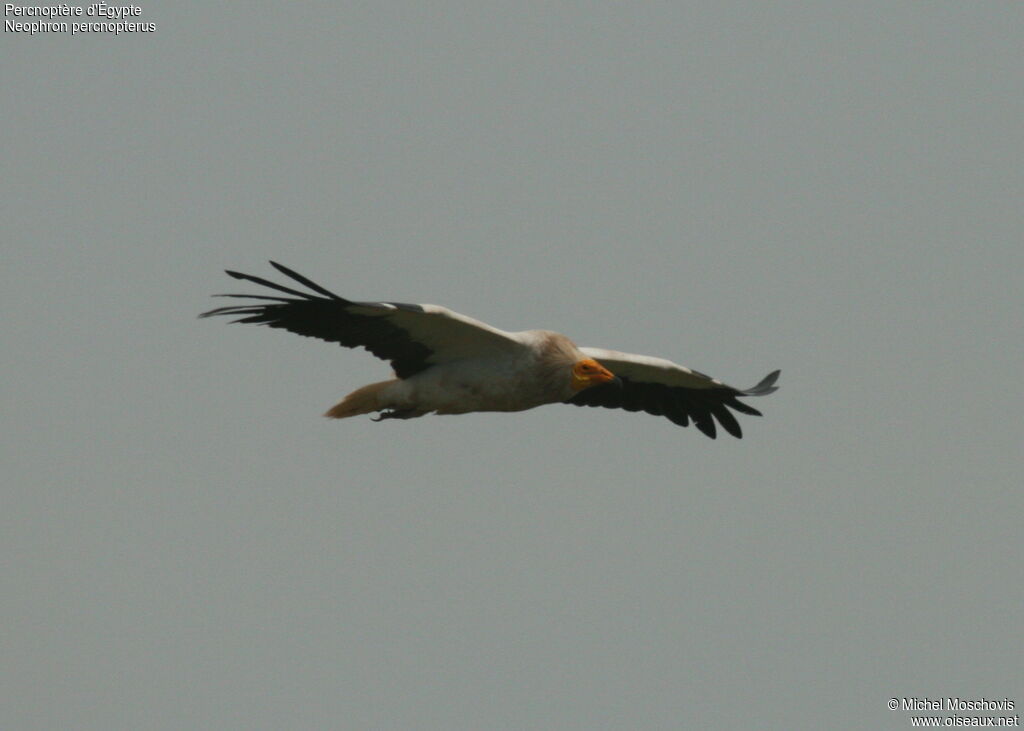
<point>447,363</point>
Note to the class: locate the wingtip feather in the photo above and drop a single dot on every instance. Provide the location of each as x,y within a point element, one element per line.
<point>305,281</point>
<point>765,386</point>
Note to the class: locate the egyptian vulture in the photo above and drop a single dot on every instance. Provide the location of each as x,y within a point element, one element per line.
<point>447,363</point>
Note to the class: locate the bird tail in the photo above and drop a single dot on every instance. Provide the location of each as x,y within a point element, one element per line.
<point>361,401</point>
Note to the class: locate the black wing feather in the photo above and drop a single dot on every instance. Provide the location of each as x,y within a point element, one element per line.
<point>328,317</point>
<point>701,406</point>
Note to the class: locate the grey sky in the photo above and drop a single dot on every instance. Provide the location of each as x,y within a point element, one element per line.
<point>832,189</point>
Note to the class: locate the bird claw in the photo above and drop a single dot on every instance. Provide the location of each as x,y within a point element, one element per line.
<point>396,414</point>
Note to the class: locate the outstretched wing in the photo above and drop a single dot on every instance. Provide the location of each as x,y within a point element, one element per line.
<point>664,388</point>
<point>411,337</point>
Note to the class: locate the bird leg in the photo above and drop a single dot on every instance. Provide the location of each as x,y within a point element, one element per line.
<point>398,414</point>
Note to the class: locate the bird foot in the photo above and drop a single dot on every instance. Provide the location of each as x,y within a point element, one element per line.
<point>397,414</point>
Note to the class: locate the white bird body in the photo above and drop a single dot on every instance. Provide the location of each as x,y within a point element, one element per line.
<point>447,363</point>
<point>516,380</point>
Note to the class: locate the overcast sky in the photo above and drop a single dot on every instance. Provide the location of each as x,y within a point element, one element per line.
<point>833,189</point>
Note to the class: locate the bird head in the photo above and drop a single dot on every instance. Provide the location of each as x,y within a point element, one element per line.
<point>588,372</point>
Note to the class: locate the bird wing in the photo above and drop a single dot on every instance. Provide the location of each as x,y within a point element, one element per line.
<point>664,388</point>
<point>411,337</point>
